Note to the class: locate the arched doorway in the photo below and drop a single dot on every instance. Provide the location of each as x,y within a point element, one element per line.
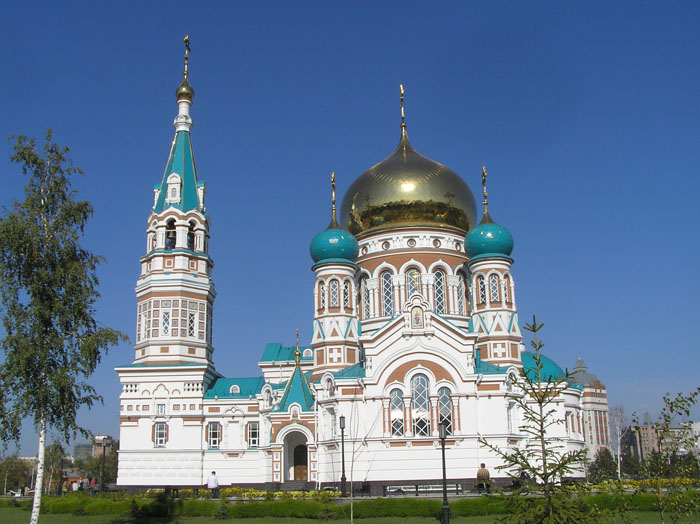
<point>296,456</point>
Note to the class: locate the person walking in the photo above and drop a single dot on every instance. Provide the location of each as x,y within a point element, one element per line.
<point>483,479</point>
<point>213,485</point>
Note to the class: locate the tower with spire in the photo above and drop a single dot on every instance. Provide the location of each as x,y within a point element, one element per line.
<point>493,310</point>
<point>336,328</point>
<point>175,291</point>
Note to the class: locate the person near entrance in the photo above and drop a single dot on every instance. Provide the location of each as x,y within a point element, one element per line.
<point>483,479</point>
<point>213,485</point>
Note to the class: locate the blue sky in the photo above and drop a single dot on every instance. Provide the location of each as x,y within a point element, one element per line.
<point>585,113</point>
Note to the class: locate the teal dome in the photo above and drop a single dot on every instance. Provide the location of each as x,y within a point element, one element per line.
<point>488,239</point>
<point>334,243</point>
<point>550,369</point>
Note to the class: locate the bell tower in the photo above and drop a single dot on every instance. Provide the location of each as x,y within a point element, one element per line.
<point>175,291</point>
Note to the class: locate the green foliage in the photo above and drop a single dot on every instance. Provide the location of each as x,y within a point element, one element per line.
<point>15,474</point>
<point>544,458</point>
<point>92,466</point>
<point>388,507</point>
<point>48,287</point>
<point>221,511</point>
<point>630,464</point>
<point>603,467</point>
<point>478,506</point>
<point>674,435</point>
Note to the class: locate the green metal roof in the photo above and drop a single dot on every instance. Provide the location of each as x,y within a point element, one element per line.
<point>180,161</point>
<point>550,369</point>
<point>274,352</point>
<point>297,391</point>
<point>247,387</point>
<point>354,371</point>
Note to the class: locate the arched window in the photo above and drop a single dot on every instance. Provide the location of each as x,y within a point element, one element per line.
<point>461,295</point>
<point>440,295</point>
<point>506,288</point>
<point>322,295</point>
<point>346,294</point>
<point>482,290</point>
<point>445,409</point>
<point>365,298</point>
<point>170,234</point>
<point>420,401</point>
<point>387,295</point>
<point>493,287</point>
<point>334,293</point>
<point>396,412</point>
<point>412,282</point>
<point>190,237</point>
<point>173,193</point>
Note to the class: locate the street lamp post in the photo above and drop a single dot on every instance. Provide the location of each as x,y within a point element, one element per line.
<point>445,506</point>
<point>343,481</point>
<point>106,441</point>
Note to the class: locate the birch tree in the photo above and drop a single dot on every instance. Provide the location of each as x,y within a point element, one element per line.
<point>48,289</point>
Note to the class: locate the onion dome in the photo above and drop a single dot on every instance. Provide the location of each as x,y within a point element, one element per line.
<point>488,238</point>
<point>550,370</point>
<point>334,243</point>
<point>184,90</point>
<point>407,189</point>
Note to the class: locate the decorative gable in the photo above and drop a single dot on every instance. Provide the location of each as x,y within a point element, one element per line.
<point>174,189</point>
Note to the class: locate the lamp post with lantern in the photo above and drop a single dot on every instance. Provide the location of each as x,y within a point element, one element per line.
<point>106,441</point>
<point>445,506</point>
<point>343,480</point>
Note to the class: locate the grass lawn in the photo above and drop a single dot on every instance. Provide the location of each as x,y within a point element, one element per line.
<point>21,516</point>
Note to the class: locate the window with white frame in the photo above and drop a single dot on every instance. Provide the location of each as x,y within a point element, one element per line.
<point>165,323</point>
<point>160,409</point>
<point>440,302</point>
<point>420,400</point>
<point>461,296</point>
<point>253,434</point>
<point>322,293</point>
<point>346,294</point>
<point>493,287</point>
<point>482,290</point>
<point>365,298</point>
<point>506,289</point>
<point>445,409</point>
<point>334,293</point>
<point>412,282</point>
<point>387,295</point>
<point>160,434</point>
<point>214,436</point>
<point>396,412</point>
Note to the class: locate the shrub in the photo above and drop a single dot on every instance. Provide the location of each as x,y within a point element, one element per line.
<point>478,506</point>
<point>283,508</point>
<point>385,507</point>
<point>198,508</point>
<point>221,512</point>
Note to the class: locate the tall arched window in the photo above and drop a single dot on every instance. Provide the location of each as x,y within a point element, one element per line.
<point>493,288</point>
<point>346,294</point>
<point>322,295</point>
<point>420,401</point>
<point>461,295</point>
<point>445,409</point>
<point>365,298</point>
<point>412,282</point>
<point>482,290</point>
<point>506,288</point>
<point>190,237</point>
<point>334,293</point>
<point>396,412</point>
<point>440,295</point>
<point>387,295</point>
<point>170,235</point>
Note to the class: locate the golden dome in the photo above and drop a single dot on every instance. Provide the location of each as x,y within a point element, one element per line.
<point>407,189</point>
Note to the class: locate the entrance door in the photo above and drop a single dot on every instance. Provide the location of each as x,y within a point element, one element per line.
<point>300,462</point>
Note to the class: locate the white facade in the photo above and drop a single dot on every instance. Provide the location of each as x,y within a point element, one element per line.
<point>409,335</point>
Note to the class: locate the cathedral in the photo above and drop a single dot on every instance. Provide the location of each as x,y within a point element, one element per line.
<point>415,329</point>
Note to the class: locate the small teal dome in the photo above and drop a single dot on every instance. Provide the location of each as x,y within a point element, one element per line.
<point>334,243</point>
<point>550,369</point>
<point>488,239</point>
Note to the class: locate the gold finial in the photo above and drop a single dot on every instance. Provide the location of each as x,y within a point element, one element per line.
<point>297,353</point>
<point>333,191</point>
<point>187,54</point>
<point>403,116</point>
<point>484,174</point>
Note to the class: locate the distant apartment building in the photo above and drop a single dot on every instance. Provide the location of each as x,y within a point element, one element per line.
<point>82,451</point>
<point>102,444</point>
